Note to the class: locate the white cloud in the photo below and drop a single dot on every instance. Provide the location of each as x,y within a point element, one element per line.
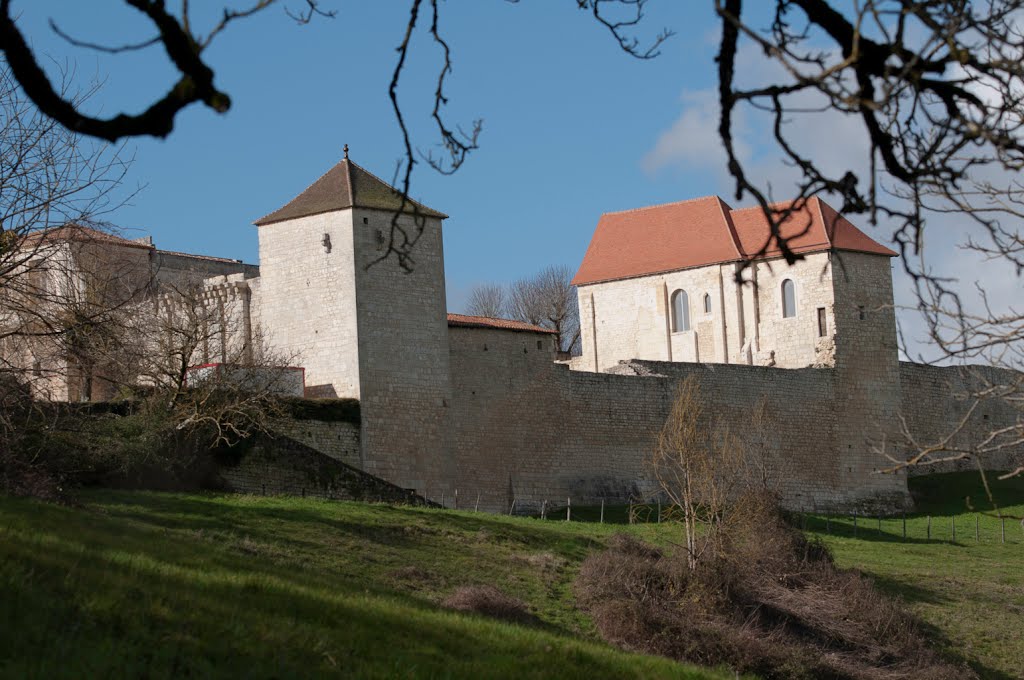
<point>835,142</point>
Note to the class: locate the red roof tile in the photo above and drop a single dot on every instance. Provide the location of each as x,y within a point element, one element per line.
<point>658,239</point>
<point>466,321</point>
<point>706,231</point>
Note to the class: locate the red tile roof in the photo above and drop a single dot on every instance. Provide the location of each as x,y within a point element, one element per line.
<point>705,231</point>
<point>466,321</point>
<point>346,185</point>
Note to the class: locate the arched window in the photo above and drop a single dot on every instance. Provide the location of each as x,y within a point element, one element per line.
<point>788,299</point>
<point>680,311</point>
<point>707,303</point>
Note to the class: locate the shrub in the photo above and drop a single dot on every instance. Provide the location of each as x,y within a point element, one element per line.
<point>764,600</point>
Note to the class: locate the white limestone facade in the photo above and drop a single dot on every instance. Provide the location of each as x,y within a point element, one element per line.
<point>735,316</point>
<point>306,305</point>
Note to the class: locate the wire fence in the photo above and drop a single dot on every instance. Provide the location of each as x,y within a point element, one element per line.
<point>962,528</point>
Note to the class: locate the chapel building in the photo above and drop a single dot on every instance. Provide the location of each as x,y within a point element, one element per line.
<point>699,281</point>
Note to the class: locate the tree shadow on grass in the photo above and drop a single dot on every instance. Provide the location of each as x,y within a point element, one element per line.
<point>191,617</point>
<point>392,525</point>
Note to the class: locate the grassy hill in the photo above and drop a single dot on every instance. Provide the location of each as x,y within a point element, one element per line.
<point>161,585</point>
<point>171,585</point>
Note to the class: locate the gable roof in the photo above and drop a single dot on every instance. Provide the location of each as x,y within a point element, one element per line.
<point>467,321</point>
<point>83,234</point>
<point>705,231</point>
<point>346,185</point>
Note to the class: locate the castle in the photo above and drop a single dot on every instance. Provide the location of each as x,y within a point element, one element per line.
<point>457,403</point>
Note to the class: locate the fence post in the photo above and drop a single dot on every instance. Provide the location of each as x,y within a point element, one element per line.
<point>977,528</point>
<point>568,509</point>
<point>476,508</point>
<point>952,521</point>
<point>456,499</point>
<point>855,525</point>
<point>630,510</point>
<point>929,527</point>
<point>659,511</point>
<point>904,525</point>
<point>512,507</point>
<point>544,509</point>
<point>879,525</point>
<point>602,511</point>
<point>1002,530</point>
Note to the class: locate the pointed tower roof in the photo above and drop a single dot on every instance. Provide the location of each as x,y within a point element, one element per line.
<point>346,185</point>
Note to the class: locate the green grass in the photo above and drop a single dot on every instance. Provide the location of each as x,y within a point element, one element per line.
<point>169,585</point>
<point>969,592</point>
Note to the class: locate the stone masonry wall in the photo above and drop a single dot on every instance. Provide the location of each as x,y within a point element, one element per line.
<point>936,404</point>
<point>525,428</point>
<point>337,440</point>
<point>307,299</point>
<point>285,466</point>
<point>868,392</point>
<point>403,354</point>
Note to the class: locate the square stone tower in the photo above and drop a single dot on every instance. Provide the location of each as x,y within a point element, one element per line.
<point>359,323</point>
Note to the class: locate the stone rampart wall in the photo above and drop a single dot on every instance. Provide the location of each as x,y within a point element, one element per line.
<point>284,466</point>
<point>938,401</point>
<point>337,440</point>
<point>528,429</point>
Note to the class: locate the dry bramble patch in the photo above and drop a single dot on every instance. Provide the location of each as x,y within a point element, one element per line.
<point>764,600</point>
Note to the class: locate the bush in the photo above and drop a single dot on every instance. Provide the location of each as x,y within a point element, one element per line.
<point>491,602</point>
<point>763,599</point>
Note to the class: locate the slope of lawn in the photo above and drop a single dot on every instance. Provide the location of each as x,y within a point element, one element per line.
<point>971,591</point>
<point>168,585</point>
<point>133,584</point>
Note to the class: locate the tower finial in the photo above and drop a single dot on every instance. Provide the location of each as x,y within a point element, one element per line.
<point>346,151</point>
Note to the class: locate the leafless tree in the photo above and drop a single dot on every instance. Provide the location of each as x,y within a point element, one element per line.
<point>701,466</point>
<point>487,299</point>
<point>54,286</point>
<point>936,90</point>
<point>236,393</point>
<point>548,299</point>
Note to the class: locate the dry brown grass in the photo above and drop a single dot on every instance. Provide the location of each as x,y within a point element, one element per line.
<point>488,601</point>
<point>764,600</point>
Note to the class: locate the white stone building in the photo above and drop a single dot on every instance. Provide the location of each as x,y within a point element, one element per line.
<point>698,281</point>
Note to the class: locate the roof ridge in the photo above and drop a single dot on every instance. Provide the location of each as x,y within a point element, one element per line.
<point>393,188</point>
<point>308,187</point>
<point>830,234</point>
<point>775,204</point>
<point>203,257</point>
<point>665,205</point>
<point>730,226</point>
<point>348,177</point>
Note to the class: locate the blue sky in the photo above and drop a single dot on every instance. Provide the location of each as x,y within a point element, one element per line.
<point>568,121</point>
<point>573,127</point>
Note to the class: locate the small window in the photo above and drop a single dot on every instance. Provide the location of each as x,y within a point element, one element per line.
<point>680,311</point>
<point>860,312</point>
<point>822,323</point>
<point>707,303</point>
<point>788,299</point>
